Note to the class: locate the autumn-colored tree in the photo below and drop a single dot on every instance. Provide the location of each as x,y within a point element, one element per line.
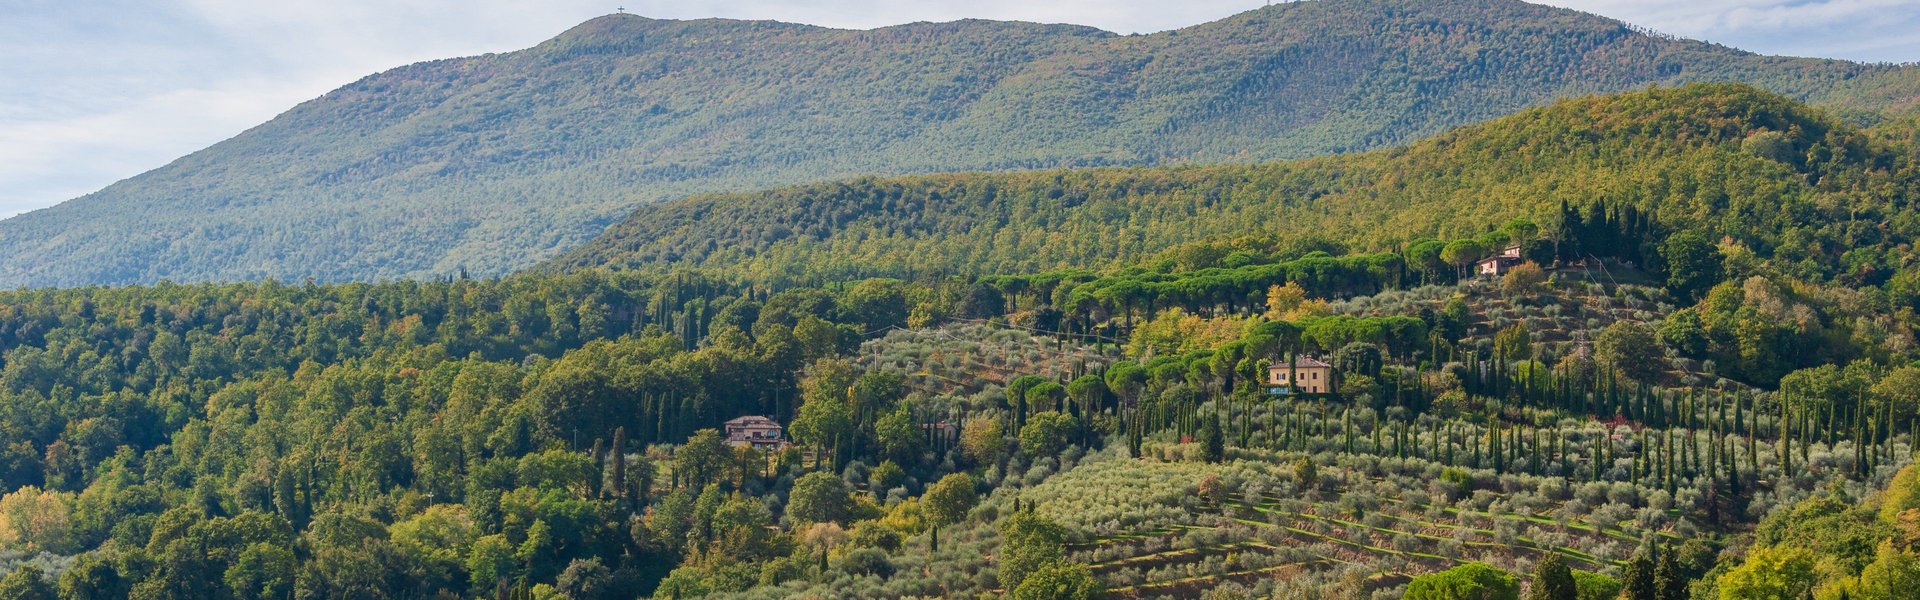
<point>1524,280</point>
<point>32,519</point>
<point>982,440</point>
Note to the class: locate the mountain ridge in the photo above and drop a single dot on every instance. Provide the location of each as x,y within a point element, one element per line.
<point>491,163</point>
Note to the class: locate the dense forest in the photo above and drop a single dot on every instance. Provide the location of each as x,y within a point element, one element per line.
<point>1695,376</point>
<point>491,163</point>
<point>1818,198</point>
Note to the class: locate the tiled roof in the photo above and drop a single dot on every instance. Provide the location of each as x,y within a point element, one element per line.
<point>1302,362</point>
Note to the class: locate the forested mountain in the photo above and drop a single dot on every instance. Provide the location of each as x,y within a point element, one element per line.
<point>1699,379</point>
<point>490,163</point>
<point>1775,176</point>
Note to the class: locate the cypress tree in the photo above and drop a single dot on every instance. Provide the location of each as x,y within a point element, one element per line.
<point>1602,452</point>
<point>1346,428</point>
<point>1476,452</point>
<point>1213,441</point>
<point>1859,447</point>
<point>1806,438</point>
<point>1786,443</point>
<point>617,485</point>
<point>1552,580</point>
<point>1733,471</point>
<point>1669,581</point>
<point>598,478</point>
<point>1638,577</point>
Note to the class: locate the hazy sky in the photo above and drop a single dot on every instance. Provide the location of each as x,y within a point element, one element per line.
<point>94,91</point>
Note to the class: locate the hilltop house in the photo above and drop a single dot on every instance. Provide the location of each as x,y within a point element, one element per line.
<point>760,432</point>
<point>1308,375</point>
<point>1499,264</point>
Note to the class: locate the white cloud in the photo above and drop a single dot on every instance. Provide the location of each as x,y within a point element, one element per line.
<point>95,91</point>
<point>54,159</point>
<point>1871,30</point>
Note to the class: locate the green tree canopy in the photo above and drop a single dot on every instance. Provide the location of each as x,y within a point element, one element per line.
<point>1028,543</point>
<point>948,500</point>
<point>1047,433</point>
<point>1769,573</point>
<point>1059,580</point>
<point>819,497</point>
<point>1471,581</point>
<point>1630,349</point>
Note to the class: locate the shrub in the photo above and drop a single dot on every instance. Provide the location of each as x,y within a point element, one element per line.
<point>1902,493</point>
<point>867,561</point>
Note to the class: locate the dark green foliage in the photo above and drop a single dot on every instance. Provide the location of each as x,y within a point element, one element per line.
<point>1668,579</point>
<point>93,576</point>
<point>1638,578</point>
<point>585,579</point>
<point>489,163</point>
<point>1046,396</point>
<point>1213,443</point>
<point>1692,262</point>
<point>867,561</point>
<point>1745,326</point>
<point>26,582</point>
<point>1552,580</point>
<point>1089,393</point>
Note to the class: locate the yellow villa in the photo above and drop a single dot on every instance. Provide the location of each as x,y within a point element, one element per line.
<point>1308,376</point>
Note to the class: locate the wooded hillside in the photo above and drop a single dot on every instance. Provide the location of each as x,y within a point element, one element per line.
<point>1787,182</point>
<point>491,163</point>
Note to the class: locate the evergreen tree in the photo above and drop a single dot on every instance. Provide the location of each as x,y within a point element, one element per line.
<point>1552,580</point>
<point>617,483</point>
<point>1669,580</point>
<point>1639,577</point>
<point>1212,441</point>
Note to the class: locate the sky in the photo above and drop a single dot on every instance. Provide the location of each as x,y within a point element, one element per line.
<point>95,91</point>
